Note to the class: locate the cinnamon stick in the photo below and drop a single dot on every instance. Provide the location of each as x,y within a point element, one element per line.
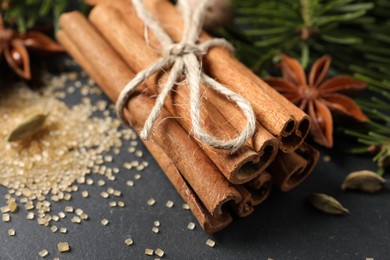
<point>279,108</point>
<point>201,174</point>
<point>253,193</point>
<point>288,170</point>
<point>279,116</point>
<point>209,223</point>
<point>260,188</point>
<point>244,208</point>
<point>239,167</point>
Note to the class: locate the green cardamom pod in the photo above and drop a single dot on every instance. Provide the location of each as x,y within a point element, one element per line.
<point>327,204</point>
<point>366,181</point>
<point>27,128</point>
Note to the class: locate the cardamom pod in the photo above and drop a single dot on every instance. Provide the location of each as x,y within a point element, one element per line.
<point>327,204</point>
<point>28,127</point>
<point>366,181</point>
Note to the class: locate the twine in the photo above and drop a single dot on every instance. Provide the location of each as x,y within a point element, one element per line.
<point>183,59</point>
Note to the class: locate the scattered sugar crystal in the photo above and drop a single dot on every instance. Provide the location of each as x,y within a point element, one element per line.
<point>6,217</point>
<point>54,229</point>
<point>11,232</point>
<point>30,216</point>
<point>63,247</point>
<point>151,202</point>
<point>129,241</point>
<point>149,251</point>
<point>191,225</point>
<point>84,194</point>
<point>159,252</point>
<point>169,204</point>
<point>210,243</point>
<point>43,253</point>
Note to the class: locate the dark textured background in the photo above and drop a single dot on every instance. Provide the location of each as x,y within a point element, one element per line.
<point>284,227</point>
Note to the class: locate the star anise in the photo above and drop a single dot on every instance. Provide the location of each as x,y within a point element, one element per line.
<point>317,96</point>
<point>14,45</point>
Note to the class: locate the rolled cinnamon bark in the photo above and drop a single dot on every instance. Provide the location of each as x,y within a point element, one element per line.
<point>240,167</point>
<point>197,169</point>
<point>279,116</point>
<point>209,223</point>
<point>268,105</point>
<point>288,170</point>
<point>245,207</point>
<point>253,193</point>
<point>260,188</point>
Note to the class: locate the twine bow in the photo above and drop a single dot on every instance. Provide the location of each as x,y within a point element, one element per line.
<point>183,58</point>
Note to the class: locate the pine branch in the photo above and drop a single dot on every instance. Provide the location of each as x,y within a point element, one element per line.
<point>354,32</point>
<point>23,15</point>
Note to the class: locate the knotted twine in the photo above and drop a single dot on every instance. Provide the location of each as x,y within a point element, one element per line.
<point>183,59</point>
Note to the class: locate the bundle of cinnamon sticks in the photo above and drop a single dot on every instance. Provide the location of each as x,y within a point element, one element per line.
<point>215,183</point>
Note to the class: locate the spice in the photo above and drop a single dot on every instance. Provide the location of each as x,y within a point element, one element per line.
<point>27,128</point>
<point>15,46</point>
<point>366,181</point>
<point>288,170</point>
<point>229,165</point>
<point>327,204</point>
<point>206,201</point>
<point>317,95</point>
